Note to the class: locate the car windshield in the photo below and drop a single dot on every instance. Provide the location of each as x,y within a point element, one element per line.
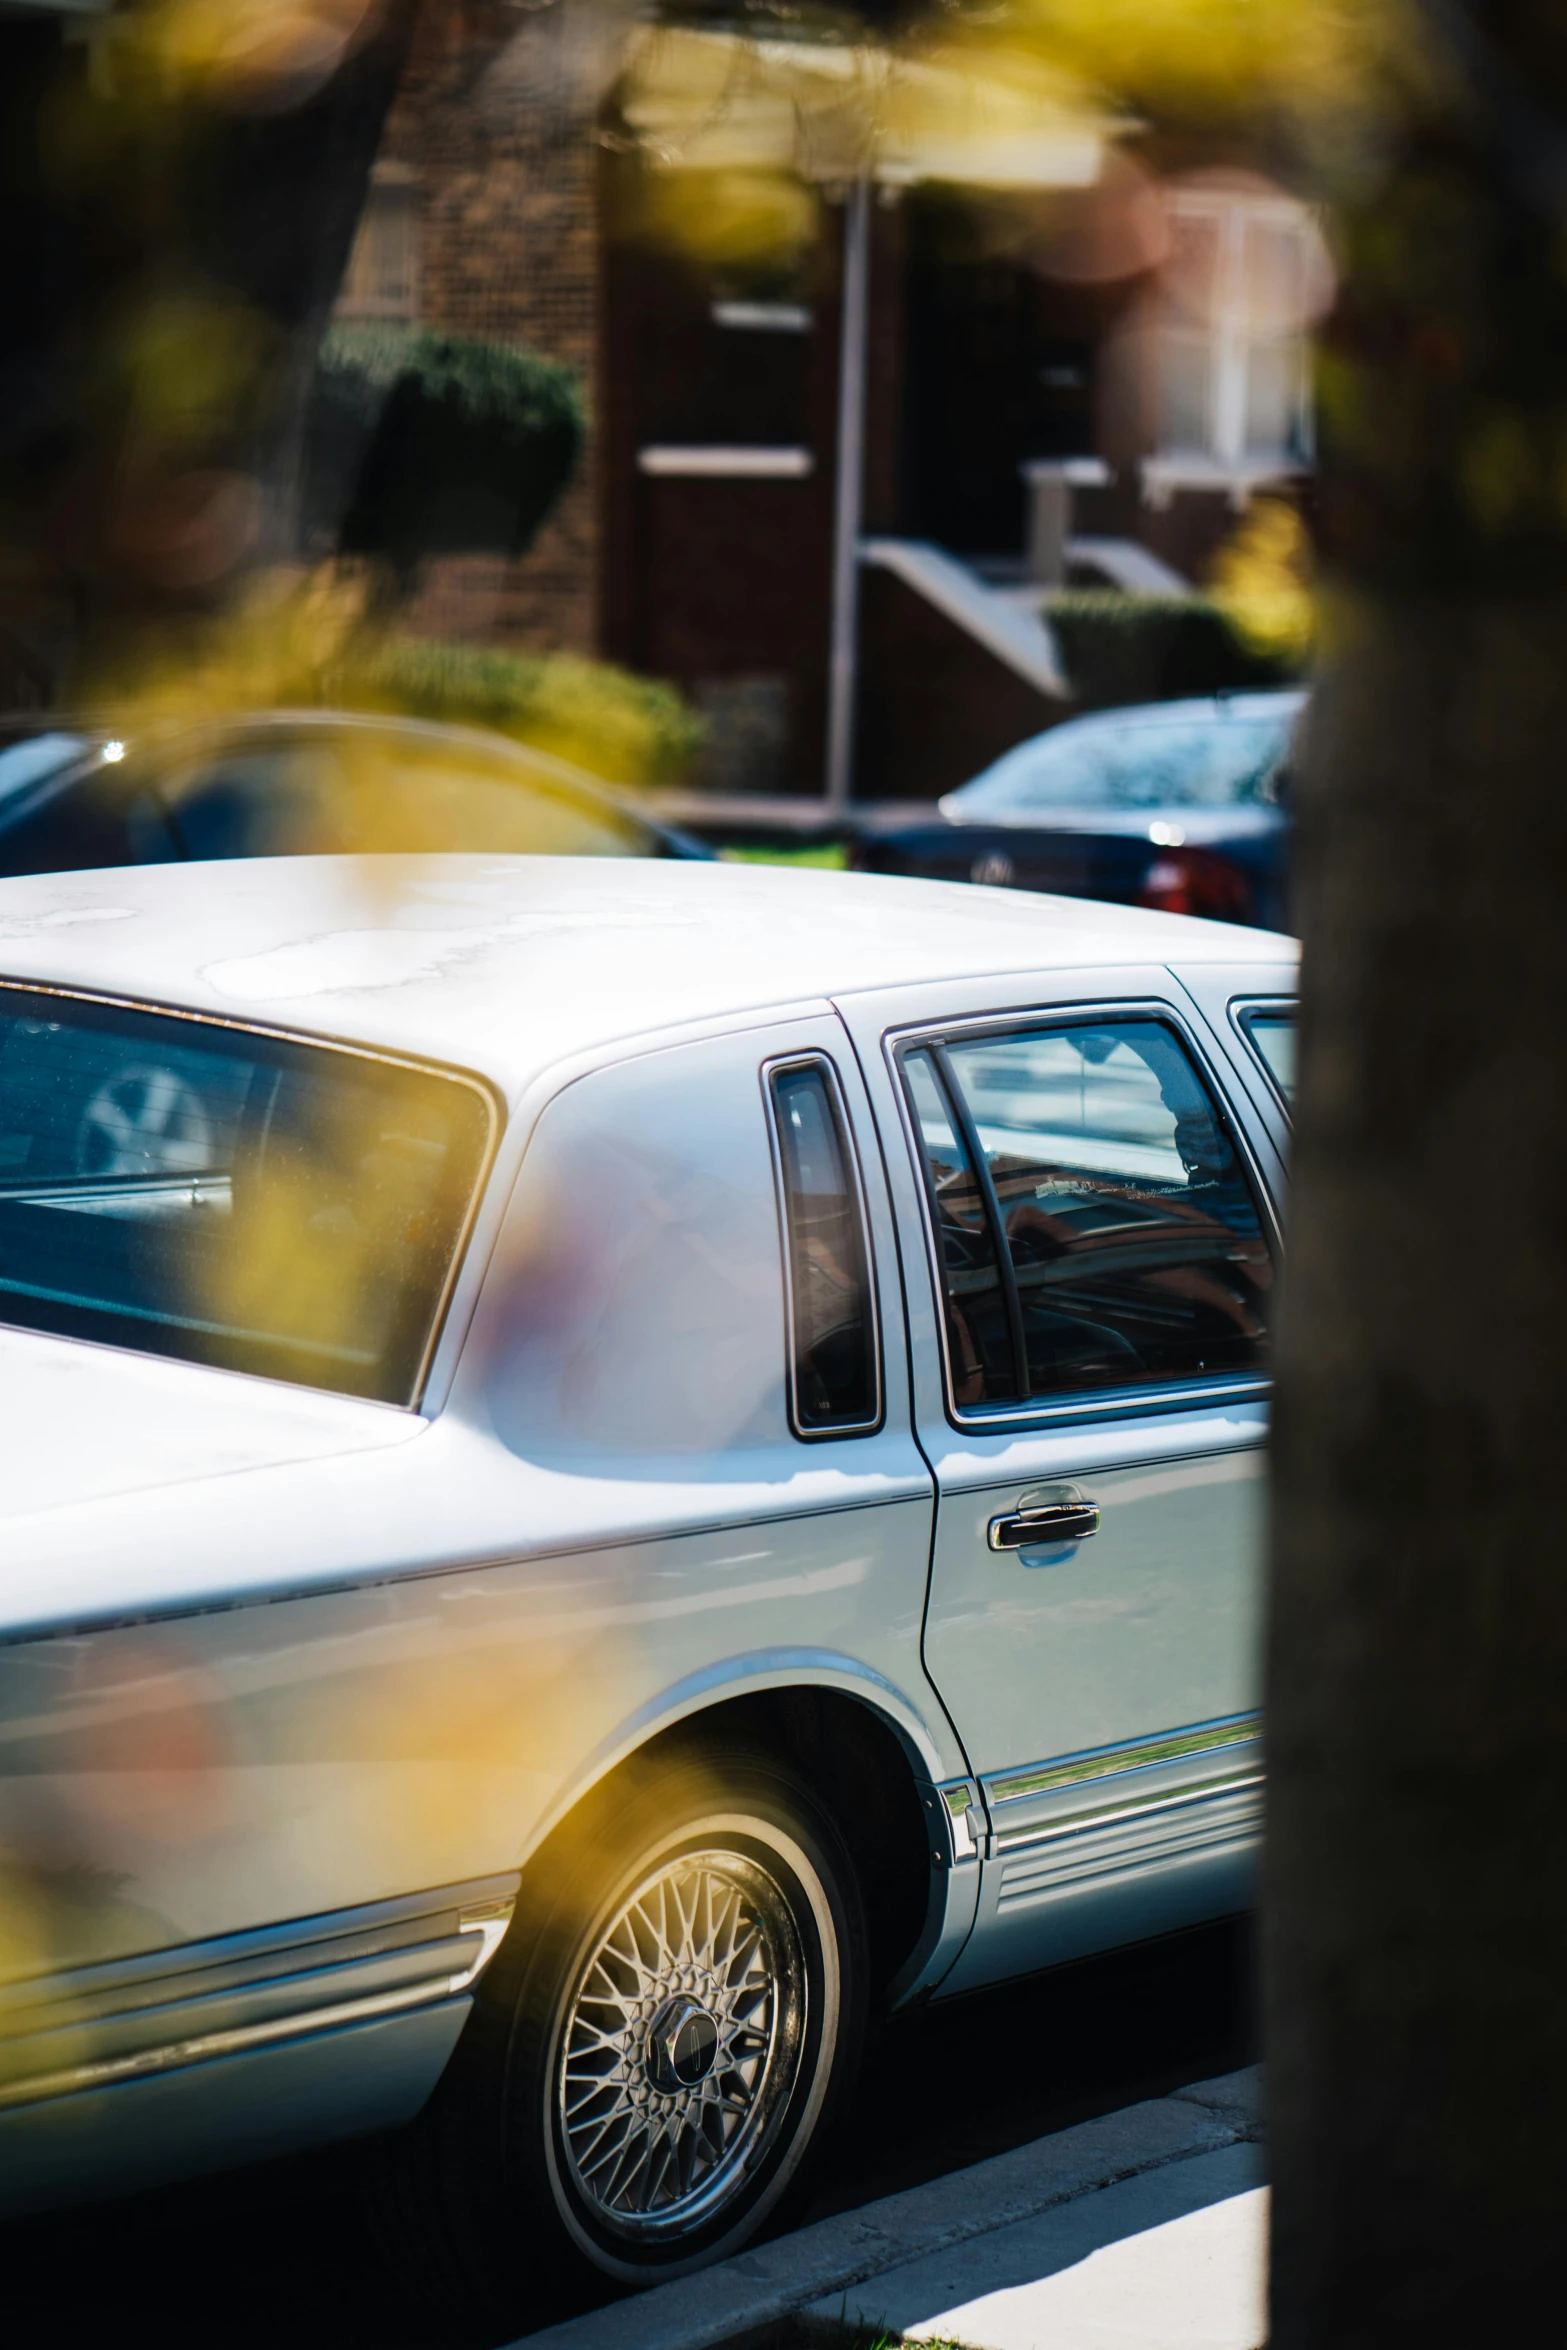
<point>354,791</point>
<point>190,1189</point>
<point>1207,760</point>
<point>36,756</point>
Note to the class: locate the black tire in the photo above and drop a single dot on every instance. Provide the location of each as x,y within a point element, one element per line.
<point>715,2063</point>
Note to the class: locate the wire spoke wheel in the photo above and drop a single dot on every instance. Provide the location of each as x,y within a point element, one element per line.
<point>664,2036</point>
<point>681,2043</point>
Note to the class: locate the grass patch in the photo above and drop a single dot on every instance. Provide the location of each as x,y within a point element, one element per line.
<point>828,856</point>
<point>799,2332</point>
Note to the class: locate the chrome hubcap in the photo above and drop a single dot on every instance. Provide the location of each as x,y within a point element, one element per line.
<point>682,2045</point>
<point>682,2041</point>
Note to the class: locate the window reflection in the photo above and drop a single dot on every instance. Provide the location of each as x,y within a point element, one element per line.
<point>834,1338</point>
<point>1132,1243</point>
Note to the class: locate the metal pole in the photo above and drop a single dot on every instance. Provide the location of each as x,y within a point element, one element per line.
<point>849,493</point>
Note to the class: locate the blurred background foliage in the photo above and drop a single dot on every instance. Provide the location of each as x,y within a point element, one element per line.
<point>325,641</point>
<point>421,444</point>
<point>1122,648</point>
<point>1261,581</point>
<point>193,423</point>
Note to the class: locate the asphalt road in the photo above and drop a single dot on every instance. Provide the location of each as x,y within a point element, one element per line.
<point>277,2257</point>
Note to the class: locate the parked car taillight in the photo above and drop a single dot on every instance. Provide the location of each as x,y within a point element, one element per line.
<point>1194,881</point>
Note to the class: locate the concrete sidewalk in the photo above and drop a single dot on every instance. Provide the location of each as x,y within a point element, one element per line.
<point>1145,2230</point>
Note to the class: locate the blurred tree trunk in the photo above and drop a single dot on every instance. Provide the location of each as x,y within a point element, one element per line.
<point>156,364</point>
<point>1417,1901</point>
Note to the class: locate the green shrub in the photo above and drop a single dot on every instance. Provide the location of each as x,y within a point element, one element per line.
<point>628,729</point>
<point>1119,648</point>
<point>424,444</point>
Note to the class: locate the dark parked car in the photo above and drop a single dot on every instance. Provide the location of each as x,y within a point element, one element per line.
<point>1177,805</point>
<point>289,783</point>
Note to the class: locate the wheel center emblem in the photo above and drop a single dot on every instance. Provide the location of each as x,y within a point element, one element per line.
<point>682,2043</point>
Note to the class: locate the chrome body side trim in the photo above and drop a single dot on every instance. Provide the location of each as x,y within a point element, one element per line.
<point>955,1821</point>
<point>1152,1863</point>
<point>93,2026</point>
<point>1058,1802</point>
<point>1129,1838</point>
<point>1106,1815</point>
<point>126,2136</point>
<point>1135,1754</point>
<point>965,1821</point>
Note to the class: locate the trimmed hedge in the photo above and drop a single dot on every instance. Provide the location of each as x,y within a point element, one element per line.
<point>627,729</point>
<point>1119,648</point>
<point>424,444</point>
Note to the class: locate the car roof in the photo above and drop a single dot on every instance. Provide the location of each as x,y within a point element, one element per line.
<point>507,964</point>
<point>1206,709</point>
<point>1209,709</point>
<point>1276,702</point>
<point>188,736</point>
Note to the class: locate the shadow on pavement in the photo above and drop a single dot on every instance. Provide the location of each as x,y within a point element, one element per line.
<point>278,2253</point>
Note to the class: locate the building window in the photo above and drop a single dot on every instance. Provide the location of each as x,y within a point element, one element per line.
<point>382,278</point>
<point>1242,283</point>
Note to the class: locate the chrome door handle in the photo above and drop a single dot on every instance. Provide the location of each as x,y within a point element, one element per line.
<point>1061,1521</point>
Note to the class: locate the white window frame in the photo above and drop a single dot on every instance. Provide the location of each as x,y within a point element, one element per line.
<point>1231,339</point>
<point>374,285</point>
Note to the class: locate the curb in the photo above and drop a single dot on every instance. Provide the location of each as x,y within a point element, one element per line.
<point>761,2285</point>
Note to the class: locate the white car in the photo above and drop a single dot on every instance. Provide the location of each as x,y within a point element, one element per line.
<point>607,1466</point>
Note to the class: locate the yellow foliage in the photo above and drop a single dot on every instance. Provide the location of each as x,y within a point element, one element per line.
<point>1221,59</point>
<point>273,646</point>
<point>1028,96</point>
<point>1261,579</point>
<point>313,641</point>
<point>249,53</point>
<point>188,364</point>
<point>730,217</point>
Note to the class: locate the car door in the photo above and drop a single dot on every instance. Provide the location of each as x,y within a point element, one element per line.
<point>1086,1211</point>
<point>1249,1017</point>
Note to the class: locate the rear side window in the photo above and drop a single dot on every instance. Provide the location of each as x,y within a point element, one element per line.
<point>185,1188</point>
<point>1096,1227</point>
<point>1270,1031</point>
<point>834,1386</point>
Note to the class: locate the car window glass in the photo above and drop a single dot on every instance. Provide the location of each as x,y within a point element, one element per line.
<point>196,1190</point>
<point>1132,1236</point>
<point>1272,1036</point>
<point>833,1357</point>
<point>979,1329</point>
<point>636,1306</point>
<point>1212,762</point>
<point>37,756</point>
<point>91,820</point>
<point>376,794</point>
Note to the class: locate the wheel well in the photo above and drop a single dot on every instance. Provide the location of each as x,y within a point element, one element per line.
<point>860,1770</point>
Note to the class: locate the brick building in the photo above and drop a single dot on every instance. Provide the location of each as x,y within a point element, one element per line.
<point>482,218</point>
<point>1068,373</point>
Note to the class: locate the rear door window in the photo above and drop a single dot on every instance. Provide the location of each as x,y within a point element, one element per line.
<point>1096,1227</point>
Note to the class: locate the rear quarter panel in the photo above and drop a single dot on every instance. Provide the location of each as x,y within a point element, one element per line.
<point>304,1687</point>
